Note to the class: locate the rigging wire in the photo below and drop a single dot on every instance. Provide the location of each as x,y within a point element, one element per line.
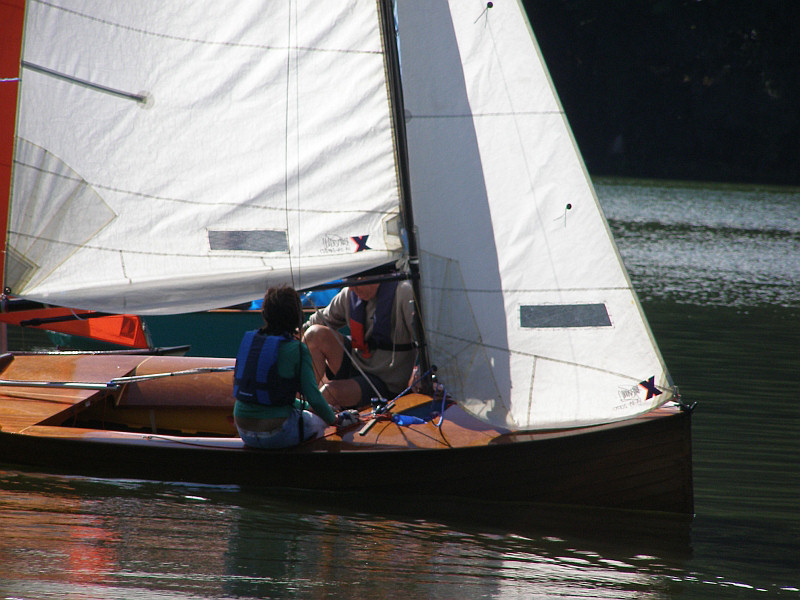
<point>290,48</point>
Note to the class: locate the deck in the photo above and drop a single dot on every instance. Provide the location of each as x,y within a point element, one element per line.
<point>55,402</point>
<point>22,407</point>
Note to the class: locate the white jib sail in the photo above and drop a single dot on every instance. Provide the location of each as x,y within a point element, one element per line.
<point>183,155</point>
<point>529,313</point>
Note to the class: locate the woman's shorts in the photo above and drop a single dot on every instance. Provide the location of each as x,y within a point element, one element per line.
<point>288,435</point>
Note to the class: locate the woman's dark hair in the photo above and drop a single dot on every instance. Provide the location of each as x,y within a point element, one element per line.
<point>282,311</point>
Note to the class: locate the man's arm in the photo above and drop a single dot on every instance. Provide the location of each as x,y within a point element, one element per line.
<point>334,315</point>
<point>406,307</point>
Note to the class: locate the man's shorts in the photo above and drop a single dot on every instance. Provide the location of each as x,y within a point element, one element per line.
<point>349,371</point>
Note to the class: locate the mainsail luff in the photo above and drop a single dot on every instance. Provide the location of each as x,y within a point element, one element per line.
<point>231,122</point>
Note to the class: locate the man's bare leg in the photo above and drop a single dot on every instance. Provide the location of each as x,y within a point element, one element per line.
<point>326,347</point>
<point>342,393</point>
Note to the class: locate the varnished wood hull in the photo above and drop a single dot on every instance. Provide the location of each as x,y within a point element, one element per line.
<point>642,463</point>
<point>642,466</point>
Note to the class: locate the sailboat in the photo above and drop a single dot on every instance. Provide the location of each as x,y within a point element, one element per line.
<point>178,157</point>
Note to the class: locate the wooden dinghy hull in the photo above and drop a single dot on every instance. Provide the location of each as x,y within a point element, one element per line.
<point>643,463</point>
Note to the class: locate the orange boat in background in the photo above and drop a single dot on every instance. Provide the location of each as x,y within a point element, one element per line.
<point>123,330</point>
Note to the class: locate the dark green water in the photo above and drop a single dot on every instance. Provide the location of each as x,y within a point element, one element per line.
<point>719,274</point>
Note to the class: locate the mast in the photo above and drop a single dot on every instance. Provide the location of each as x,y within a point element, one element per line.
<point>394,79</point>
<point>12,14</point>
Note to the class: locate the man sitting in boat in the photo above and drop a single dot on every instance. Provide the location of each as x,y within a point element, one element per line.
<point>272,366</point>
<point>377,359</point>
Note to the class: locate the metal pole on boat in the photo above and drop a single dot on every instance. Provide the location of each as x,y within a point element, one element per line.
<point>110,384</point>
<point>77,385</point>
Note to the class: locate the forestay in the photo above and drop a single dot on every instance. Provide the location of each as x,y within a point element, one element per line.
<point>529,313</point>
<point>183,155</point>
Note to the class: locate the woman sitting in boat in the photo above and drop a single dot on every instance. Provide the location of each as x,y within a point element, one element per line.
<point>272,366</point>
<point>377,359</point>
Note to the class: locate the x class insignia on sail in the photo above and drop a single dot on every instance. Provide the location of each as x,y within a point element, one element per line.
<point>650,386</point>
<point>361,242</point>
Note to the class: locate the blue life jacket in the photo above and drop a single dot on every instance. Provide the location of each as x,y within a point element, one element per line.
<point>255,377</point>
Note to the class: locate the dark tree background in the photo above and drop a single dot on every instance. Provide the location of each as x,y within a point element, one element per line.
<point>678,89</point>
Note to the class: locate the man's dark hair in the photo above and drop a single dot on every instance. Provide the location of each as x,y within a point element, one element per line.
<point>282,311</point>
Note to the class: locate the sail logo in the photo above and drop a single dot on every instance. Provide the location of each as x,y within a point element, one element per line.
<point>650,386</point>
<point>631,396</point>
<point>361,242</point>
<point>335,244</point>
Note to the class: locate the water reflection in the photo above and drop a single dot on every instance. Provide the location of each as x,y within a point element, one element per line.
<point>81,538</point>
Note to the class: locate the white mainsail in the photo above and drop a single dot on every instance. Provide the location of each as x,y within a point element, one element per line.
<point>184,155</point>
<point>529,313</point>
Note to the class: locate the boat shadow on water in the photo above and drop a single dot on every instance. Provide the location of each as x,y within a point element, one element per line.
<point>611,533</point>
<point>621,535</point>
<point>225,540</point>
